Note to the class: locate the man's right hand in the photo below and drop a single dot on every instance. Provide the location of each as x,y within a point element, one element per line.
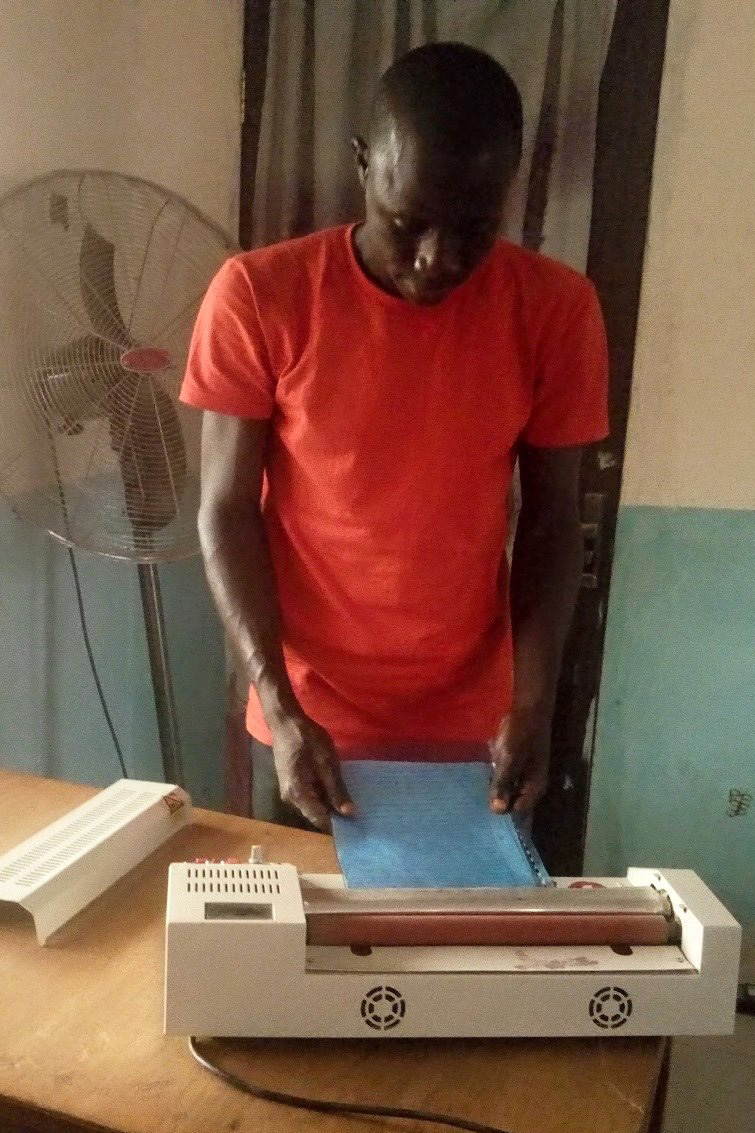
<point>309,771</point>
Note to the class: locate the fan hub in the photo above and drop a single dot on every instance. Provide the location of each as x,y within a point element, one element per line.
<point>145,359</point>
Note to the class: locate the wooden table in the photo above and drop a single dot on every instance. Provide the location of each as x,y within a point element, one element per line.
<point>82,1048</point>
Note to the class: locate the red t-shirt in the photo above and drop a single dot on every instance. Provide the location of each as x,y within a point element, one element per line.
<point>394,435</point>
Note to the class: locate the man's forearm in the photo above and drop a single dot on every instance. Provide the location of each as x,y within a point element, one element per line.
<point>545,576</point>
<point>242,582</point>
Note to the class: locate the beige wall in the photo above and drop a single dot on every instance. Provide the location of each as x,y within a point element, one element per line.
<point>691,439</point>
<point>146,87</point>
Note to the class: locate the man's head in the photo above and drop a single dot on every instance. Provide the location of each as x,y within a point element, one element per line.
<point>444,144</point>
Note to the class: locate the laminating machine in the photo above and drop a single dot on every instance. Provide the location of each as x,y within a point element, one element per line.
<point>259,950</point>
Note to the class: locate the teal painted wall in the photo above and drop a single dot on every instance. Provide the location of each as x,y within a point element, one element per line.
<point>51,721</point>
<point>676,718</point>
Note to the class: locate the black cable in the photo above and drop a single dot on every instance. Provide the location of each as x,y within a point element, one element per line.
<point>92,664</point>
<point>79,599</point>
<point>746,998</point>
<point>314,1104</point>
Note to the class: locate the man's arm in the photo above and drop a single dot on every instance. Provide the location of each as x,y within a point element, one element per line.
<point>242,582</point>
<point>545,574</point>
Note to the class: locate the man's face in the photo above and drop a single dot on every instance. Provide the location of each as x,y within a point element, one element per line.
<point>431,217</point>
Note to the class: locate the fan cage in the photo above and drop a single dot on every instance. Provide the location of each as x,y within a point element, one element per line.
<point>103,274</point>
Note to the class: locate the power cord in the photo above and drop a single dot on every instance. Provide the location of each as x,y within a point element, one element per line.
<point>746,998</point>
<point>318,1106</point>
<point>79,599</point>
<point>92,663</point>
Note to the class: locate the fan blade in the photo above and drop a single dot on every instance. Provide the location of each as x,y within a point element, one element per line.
<point>97,280</point>
<point>152,456</point>
<point>87,349</point>
<point>72,384</point>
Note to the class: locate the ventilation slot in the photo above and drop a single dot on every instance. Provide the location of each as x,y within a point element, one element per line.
<point>260,880</point>
<point>82,833</point>
<point>63,836</point>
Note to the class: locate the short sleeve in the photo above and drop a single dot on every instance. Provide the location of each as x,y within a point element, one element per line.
<point>228,368</point>
<point>570,397</point>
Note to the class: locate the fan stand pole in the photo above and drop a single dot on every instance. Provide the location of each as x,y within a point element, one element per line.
<point>157,646</point>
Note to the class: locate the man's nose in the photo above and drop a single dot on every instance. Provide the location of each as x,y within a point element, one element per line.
<point>436,256</point>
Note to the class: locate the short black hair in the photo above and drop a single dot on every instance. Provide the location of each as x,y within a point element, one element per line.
<point>455,96</point>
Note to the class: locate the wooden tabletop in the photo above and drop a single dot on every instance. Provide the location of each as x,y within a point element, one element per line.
<point>81,1042</point>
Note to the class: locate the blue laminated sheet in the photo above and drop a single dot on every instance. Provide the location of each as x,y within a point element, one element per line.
<point>429,825</point>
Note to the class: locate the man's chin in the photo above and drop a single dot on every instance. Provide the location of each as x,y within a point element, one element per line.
<point>424,297</point>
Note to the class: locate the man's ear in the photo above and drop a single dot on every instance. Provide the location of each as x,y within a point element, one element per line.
<point>361,155</point>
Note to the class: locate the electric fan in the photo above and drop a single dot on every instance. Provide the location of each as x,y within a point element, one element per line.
<point>101,276</point>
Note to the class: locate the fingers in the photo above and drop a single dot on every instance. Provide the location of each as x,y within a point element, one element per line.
<point>333,786</point>
<point>503,789</point>
<point>310,776</point>
<point>530,793</point>
<point>520,758</point>
<point>506,801</point>
<point>327,769</point>
<point>302,792</point>
<point>518,793</point>
<point>312,809</point>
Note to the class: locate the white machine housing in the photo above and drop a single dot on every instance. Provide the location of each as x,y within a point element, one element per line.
<point>62,868</point>
<point>237,963</point>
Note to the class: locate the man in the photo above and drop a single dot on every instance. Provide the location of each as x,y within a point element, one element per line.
<point>367,391</point>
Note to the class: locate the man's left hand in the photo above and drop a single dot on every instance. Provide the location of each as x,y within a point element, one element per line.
<point>520,754</point>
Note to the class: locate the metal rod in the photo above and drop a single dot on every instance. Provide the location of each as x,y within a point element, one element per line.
<point>631,900</point>
<point>157,647</point>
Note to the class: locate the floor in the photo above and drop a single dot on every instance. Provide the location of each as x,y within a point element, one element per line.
<point>712,1083</point>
